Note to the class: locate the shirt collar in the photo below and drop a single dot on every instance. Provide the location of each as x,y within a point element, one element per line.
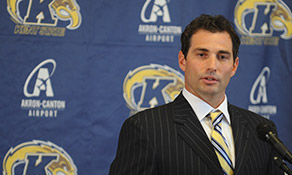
<point>202,109</point>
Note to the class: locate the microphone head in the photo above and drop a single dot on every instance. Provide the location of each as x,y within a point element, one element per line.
<point>263,129</point>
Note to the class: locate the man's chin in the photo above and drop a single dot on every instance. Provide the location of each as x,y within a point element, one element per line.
<point>211,92</point>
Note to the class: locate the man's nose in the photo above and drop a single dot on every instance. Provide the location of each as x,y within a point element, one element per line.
<point>212,63</point>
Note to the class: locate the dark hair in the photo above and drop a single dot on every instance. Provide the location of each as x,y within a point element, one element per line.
<point>212,24</point>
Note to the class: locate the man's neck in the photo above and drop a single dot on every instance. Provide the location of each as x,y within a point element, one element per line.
<point>212,100</point>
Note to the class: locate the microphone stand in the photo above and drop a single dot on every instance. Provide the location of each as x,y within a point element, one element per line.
<point>282,165</point>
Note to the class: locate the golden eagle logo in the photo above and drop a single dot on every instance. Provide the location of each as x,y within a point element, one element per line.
<point>151,85</point>
<point>64,10</point>
<point>38,157</point>
<point>280,16</point>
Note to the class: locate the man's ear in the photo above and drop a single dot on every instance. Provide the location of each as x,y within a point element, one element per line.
<point>182,61</point>
<point>235,66</point>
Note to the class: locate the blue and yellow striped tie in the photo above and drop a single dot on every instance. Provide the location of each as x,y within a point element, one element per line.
<point>220,144</point>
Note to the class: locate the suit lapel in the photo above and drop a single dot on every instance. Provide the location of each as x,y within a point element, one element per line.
<point>191,131</point>
<point>242,138</point>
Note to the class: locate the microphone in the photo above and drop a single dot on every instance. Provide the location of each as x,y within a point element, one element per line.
<point>267,132</point>
<point>282,165</point>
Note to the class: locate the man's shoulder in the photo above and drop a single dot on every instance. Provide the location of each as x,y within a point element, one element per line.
<point>154,110</point>
<point>234,108</point>
<point>246,114</point>
<point>155,114</point>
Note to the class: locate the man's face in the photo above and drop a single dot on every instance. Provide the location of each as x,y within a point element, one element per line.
<point>209,64</point>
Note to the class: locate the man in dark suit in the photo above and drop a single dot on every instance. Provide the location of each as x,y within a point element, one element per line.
<point>176,138</point>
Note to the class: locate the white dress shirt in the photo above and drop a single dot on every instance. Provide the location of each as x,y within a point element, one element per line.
<point>202,109</point>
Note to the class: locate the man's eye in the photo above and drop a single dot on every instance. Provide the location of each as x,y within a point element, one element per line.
<point>222,57</point>
<point>201,54</point>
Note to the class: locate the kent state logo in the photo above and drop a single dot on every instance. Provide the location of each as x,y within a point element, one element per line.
<point>262,21</point>
<point>151,85</point>
<point>40,17</point>
<point>38,157</point>
<point>156,18</point>
<point>38,90</point>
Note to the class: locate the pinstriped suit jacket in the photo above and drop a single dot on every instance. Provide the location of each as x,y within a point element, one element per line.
<point>169,140</point>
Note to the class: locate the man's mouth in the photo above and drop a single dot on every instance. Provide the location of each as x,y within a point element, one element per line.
<point>210,79</point>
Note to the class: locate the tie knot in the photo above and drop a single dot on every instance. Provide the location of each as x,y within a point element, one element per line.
<point>216,117</point>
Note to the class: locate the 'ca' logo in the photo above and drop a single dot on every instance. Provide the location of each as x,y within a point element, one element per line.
<point>45,12</point>
<point>159,8</point>
<point>259,86</point>
<point>262,17</point>
<point>151,85</point>
<point>43,81</point>
<point>38,157</point>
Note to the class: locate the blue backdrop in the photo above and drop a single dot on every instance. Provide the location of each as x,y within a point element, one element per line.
<point>72,72</point>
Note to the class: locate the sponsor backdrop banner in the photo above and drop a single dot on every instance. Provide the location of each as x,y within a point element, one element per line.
<point>72,71</point>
